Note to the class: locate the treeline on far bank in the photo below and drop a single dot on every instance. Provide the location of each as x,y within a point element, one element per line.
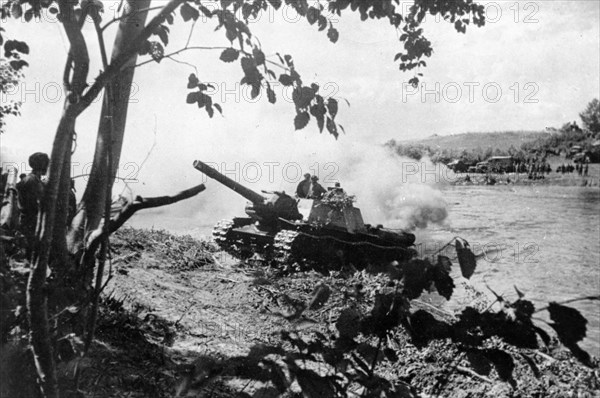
<point>568,141</point>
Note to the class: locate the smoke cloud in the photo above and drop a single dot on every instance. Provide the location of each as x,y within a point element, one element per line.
<point>389,190</point>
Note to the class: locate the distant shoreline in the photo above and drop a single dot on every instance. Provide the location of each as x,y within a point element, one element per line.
<point>553,179</point>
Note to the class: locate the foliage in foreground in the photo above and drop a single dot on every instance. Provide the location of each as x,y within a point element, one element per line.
<point>349,360</point>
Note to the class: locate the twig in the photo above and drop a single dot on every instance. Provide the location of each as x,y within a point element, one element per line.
<point>184,313</point>
<point>216,261</point>
<point>180,51</point>
<point>473,374</point>
<point>545,356</point>
<point>596,297</point>
<point>445,313</point>
<point>127,15</point>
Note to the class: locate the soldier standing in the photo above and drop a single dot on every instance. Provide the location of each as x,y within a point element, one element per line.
<point>303,187</point>
<point>316,190</point>
<point>31,193</point>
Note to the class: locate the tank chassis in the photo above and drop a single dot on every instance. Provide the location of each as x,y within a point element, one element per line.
<point>285,230</point>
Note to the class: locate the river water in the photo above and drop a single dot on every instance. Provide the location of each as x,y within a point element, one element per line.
<point>545,240</point>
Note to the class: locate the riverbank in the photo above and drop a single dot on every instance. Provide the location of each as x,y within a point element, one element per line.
<point>555,179</point>
<point>176,308</point>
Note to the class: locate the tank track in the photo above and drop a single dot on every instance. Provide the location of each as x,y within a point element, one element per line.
<point>323,252</point>
<point>301,251</point>
<point>283,244</point>
<point>220,234</point>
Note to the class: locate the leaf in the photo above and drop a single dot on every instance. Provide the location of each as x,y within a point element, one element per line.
<point>265,392</point>
<point>226,3</point>
<point>192,97</point>
<point>443,282</point>
<point>503,363</point>
<point>229,55</point>
<point>333,34</point>
<point>312,15</point>
<point>210,111</point>
<point>303,96</point>
<point>218,107</point>
<point>320,296</point>
<point>276,4</point>
<point>16,10</point>
<point>322,23</point>
<point>271,95</point>
<point>156,51</point>
<point>519,293</point>
<point>569,324</point>
<point>286,80</point>
<point>29,15</point>
<point>532,365</point>
<point>466,258</point>
<point>318,111</point>
<point>18,64</point>
<point>543,335</point>
<point>192,81</point>
<point>163,33</point>
<point>332,107</point>
<point>313,385</point>
<point>301,120</point>
<point>423,327</point>
<point>188,12</point>
<point>259,56</point>
<point>390,354</point>
<point>208,13</point>
<point>331,127</point>
<point>397,57</point>
<point>348,323</point>
<point>445,263</point>
<point>369,353</point>
<point>479,362</point>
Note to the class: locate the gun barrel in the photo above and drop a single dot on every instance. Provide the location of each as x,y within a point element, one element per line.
<point>229,183</point>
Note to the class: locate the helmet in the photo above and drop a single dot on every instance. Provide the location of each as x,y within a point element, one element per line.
<point>39,161</point>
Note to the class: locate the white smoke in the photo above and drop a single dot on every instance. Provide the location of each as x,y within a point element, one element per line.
<point>390,190</point>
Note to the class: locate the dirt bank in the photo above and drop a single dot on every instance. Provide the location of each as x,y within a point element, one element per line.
<point>174,302</point>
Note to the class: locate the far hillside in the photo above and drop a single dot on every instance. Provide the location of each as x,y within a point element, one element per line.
<point>471,141</point>
<point>569,141</point>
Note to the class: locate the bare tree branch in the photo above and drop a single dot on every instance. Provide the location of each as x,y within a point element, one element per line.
<point>140,203</point>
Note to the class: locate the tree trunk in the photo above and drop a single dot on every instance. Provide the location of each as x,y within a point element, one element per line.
<point>37,295</point>
<point>113,117</point>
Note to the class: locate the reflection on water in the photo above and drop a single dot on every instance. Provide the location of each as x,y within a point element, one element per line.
<point>544,240</point>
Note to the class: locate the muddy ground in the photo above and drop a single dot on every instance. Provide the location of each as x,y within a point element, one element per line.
<point>173,302</point>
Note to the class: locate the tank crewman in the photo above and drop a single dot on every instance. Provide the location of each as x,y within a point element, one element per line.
<point>303,187</point>
<point>316,190</point>
<point>31,193</point>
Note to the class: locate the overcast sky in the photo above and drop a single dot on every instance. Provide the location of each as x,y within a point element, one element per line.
<point>535,64</point>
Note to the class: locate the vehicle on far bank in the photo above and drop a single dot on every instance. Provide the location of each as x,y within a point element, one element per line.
<point>458,166</point>
<point>501,164</point>
<point>482,167</point>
